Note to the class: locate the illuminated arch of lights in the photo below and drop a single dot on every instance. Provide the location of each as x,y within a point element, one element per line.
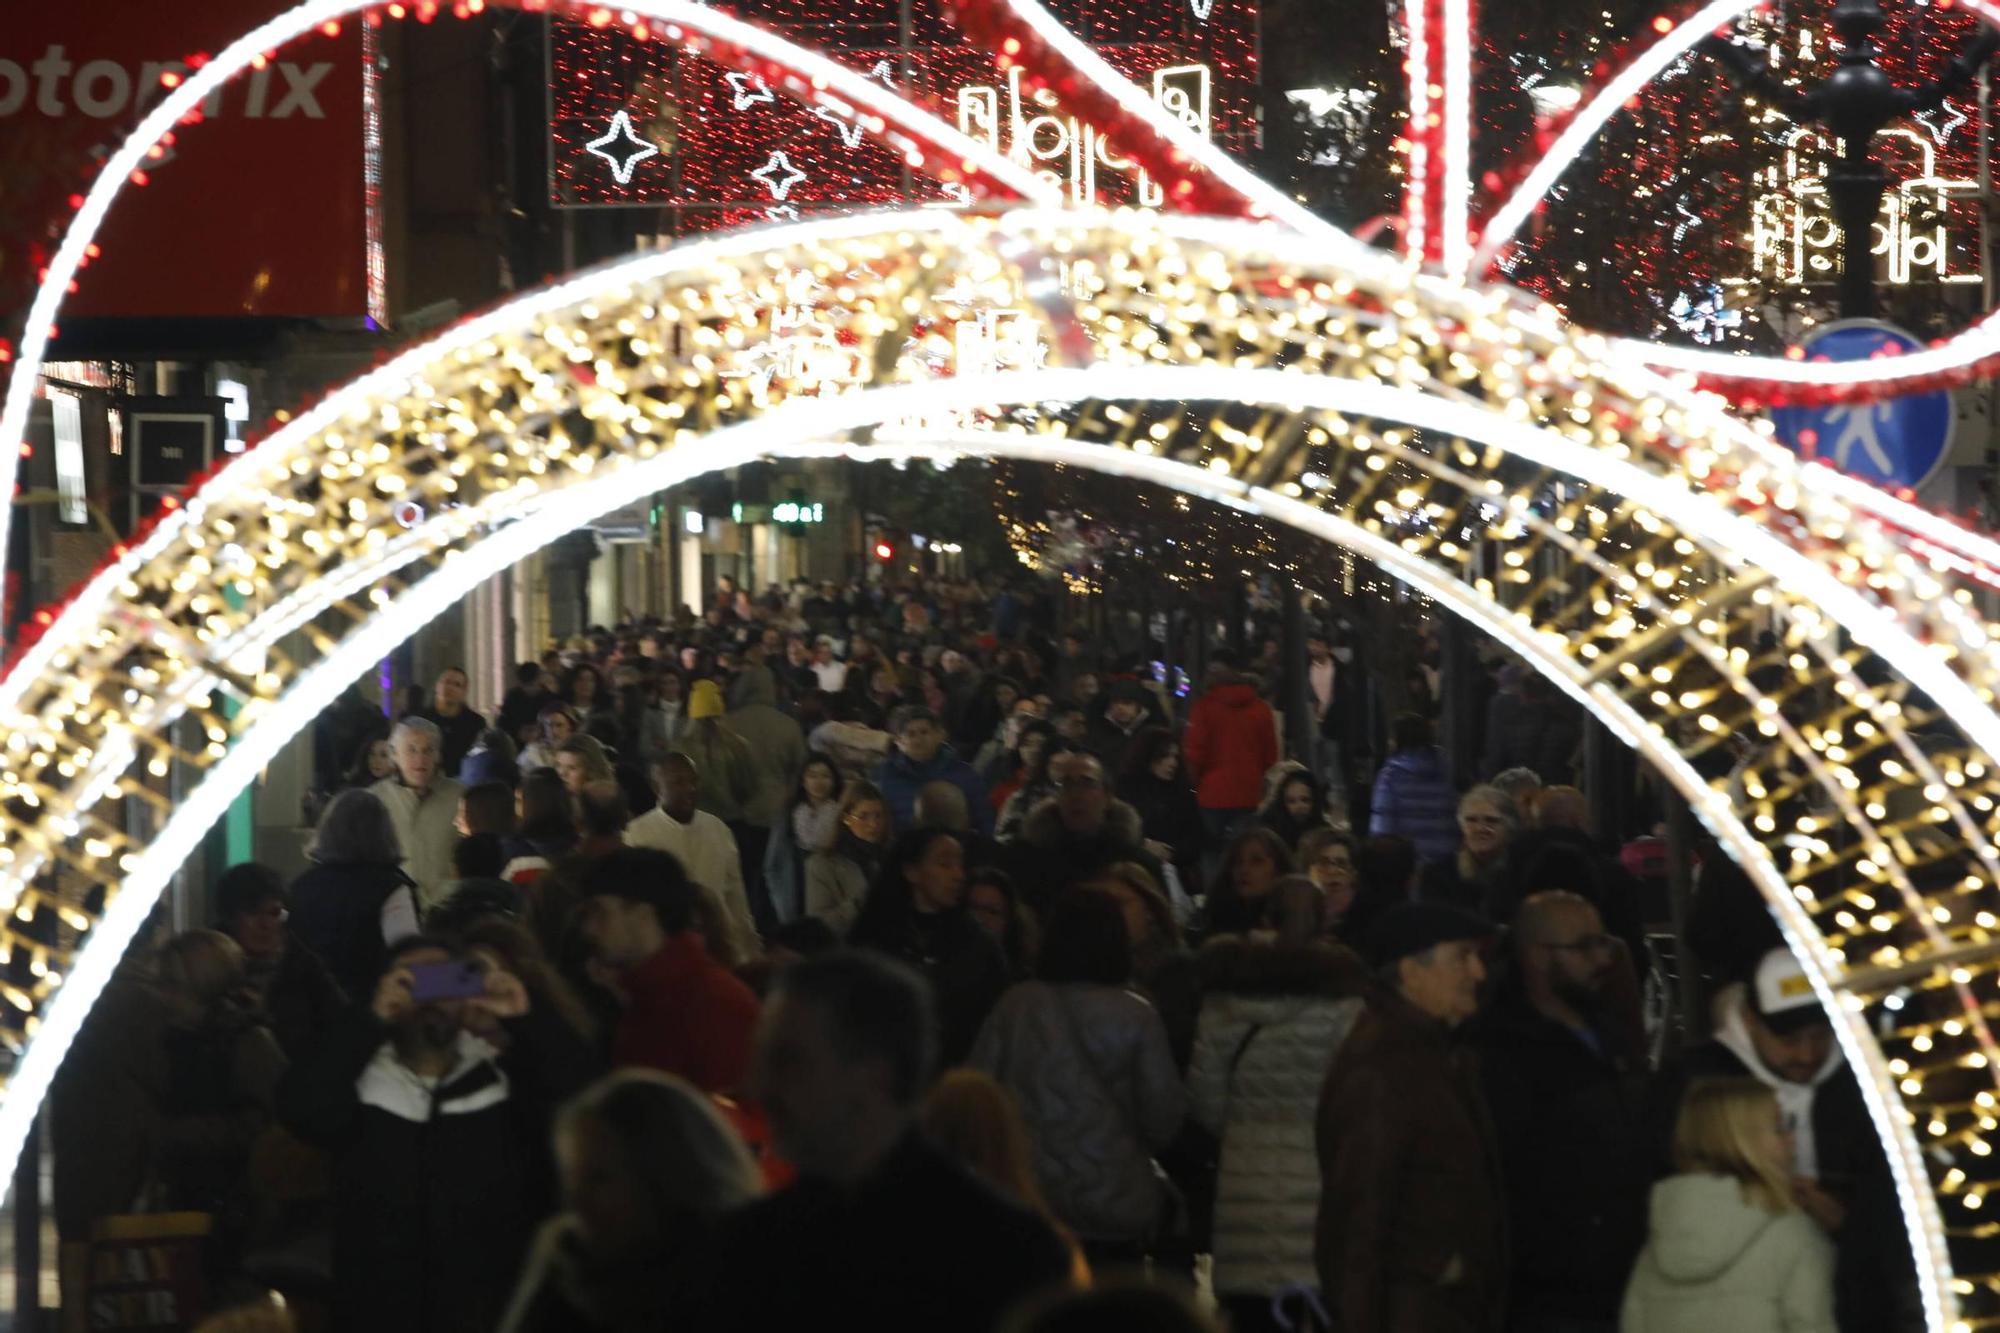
<point>1623,534</point>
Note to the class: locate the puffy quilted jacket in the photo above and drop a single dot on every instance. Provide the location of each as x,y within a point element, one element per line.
<point>1098,1088</point>
<point>1270,1026</point>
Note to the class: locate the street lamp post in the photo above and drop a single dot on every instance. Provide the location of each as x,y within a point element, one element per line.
<point>1855,103</point>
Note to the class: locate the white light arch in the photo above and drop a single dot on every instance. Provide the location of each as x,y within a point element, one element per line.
<point>1326,339</point>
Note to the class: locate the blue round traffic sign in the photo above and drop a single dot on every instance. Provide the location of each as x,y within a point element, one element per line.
<point>1898,442</point>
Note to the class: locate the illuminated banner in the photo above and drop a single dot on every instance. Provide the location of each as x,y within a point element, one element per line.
<point>1927,231</point>
<point>262,209</point>
<point>645,124</point>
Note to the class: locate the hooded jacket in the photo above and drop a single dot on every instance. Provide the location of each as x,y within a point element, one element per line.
<point>1714,1263</point>
<point>1413,799</point>
<point>901,779</point>
<point>1273,1019</point>
<point>1231,742</point>
<point>776,744</point>
<point>1834,1142</point>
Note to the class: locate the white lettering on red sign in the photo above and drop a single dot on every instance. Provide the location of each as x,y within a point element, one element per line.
<point>56,86</point>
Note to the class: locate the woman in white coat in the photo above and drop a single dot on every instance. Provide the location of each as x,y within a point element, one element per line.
<point>1728,1250</point>
<point>1277,1005</point>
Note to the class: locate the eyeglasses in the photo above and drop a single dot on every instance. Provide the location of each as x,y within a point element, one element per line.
<point>1080,782</point>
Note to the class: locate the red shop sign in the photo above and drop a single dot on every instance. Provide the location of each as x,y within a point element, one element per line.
<point>262,208</point>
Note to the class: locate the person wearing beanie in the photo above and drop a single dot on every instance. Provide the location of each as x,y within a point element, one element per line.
<point>728,770</point>
<point>1412,1232</point>
<point>704,700</point>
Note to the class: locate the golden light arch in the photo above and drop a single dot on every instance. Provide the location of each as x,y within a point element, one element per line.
<point>1626,539</point>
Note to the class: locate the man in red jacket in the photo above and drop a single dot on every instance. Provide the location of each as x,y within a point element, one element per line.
<point>1231,742</point>
<point>685,1013</point>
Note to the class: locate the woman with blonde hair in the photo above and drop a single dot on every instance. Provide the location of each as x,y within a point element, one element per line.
<point>1475,877</point>
<point>1728,1251</point>
<point>977,1122</point>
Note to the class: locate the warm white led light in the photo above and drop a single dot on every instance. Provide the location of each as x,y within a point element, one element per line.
<point>780,434</point>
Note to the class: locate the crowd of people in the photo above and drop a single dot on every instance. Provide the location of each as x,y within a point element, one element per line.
<point>890,959</point>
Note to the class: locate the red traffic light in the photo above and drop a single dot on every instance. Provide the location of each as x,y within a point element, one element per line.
<point>885,551</point>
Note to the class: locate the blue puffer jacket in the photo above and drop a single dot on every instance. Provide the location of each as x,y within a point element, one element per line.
<point>901,780</point>
<point>1413,798</point>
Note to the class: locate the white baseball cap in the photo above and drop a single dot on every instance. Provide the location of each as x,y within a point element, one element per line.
<point>1782,995</point>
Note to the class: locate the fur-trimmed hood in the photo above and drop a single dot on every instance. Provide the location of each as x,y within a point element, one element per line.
<point>1243,965</point>
<point>1044,829</point>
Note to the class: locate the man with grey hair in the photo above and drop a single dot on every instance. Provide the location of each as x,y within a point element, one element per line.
<point>423,803</point>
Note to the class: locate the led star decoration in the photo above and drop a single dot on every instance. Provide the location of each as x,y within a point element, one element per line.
<point>778,175</point>
<point>844,124</point>
<point>622,163</point>
<point>746,90</point>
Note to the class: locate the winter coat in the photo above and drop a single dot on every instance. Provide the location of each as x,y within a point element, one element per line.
<point>1715,1263</point>
<point>459,734</point>
<point>964,965</point>
<point>299,996</point>
<point>121,1116</point>
<point>337,914</point>
<point>728,771</point>
<point>1231,742</point>
<point>777,745</point>
<point>1047,859</point>
<point>437,1187</point>
<point>427,829</point>
<point>901,780</point>
<point>836,886</point>
<point>1835,1143</point>
<point>1269,1028</point>
<point>1411,1235</point>
<point>687,1015</point>
<point>1412,798</point>
<point>1168,813</point>
<point>1097,1086</point>
<point>1570,1119</point>
<point>919,1246</point>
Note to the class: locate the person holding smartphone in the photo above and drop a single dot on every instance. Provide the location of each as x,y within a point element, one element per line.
<point>438,1136</point>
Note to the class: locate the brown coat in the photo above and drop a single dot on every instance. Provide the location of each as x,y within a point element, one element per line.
<point>1411,1235</point>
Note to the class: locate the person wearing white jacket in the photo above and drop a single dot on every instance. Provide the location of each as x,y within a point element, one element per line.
<point>1274,1015</point>
<point>1728,1250</point>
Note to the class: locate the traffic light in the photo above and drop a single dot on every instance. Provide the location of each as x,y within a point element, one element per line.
<point>885,550</point>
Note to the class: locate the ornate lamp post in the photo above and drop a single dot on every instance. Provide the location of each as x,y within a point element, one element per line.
<point>1855,103</point>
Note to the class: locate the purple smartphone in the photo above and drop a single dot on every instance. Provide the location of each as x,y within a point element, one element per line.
<point>446,981</point>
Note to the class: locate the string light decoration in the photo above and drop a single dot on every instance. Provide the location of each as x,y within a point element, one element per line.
<point>1680,186</point>
<point>1629,539</point>
<point>715,131</point>
<point>1229,354</point>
